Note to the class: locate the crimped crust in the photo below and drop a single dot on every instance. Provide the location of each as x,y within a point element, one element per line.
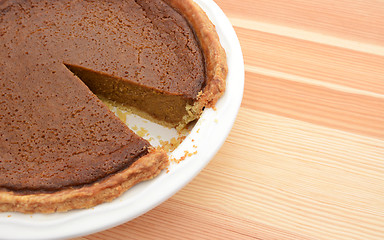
<point>106,190</point>
<point>215,57</point>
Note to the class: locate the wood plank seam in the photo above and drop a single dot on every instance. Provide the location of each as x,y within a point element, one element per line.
<point>307,35</point>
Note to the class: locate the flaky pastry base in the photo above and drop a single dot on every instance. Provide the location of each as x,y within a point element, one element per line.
<point>144,168</point>
<point>214,54</point>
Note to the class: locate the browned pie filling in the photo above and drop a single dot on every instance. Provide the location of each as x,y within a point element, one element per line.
<point>55,134</point>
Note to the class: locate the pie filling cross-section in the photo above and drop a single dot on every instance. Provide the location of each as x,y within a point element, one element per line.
<point>60,146</point>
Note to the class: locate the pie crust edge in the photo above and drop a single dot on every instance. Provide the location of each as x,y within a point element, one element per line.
<point>145,168</point>
<point>214,54</point>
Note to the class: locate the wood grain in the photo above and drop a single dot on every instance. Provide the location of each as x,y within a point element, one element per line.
<point>305,158</point>
<point>359,20</point>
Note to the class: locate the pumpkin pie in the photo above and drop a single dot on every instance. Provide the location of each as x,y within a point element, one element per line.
<point>60,146</point>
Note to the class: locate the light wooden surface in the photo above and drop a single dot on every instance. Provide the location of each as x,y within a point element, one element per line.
<point>305,158</point>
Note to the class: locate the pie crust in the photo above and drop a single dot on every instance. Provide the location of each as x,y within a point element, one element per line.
<point>106,190</point>
<point>215,57</point>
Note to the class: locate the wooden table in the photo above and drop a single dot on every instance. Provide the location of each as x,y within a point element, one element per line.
<point>305,158</point>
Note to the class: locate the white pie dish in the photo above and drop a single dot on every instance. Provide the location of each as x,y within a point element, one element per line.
<point>204,140</point>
